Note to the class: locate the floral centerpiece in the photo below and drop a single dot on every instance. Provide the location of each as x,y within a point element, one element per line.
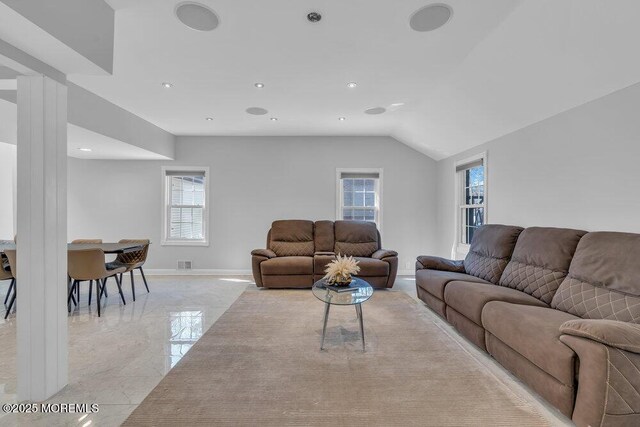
<point>339,270</point>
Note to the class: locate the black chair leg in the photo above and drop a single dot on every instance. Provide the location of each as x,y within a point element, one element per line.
<point>120,289</point>
<point>13,300</point>
<point>133,286</point>
<point>6,298</point>
<point>144,279</point>
<point>90,290</point>
<point>99,292</point>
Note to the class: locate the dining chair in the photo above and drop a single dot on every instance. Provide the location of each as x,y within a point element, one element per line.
<point>5,274</point>
<point>133,261</point>
<point>11,257</point>
<point>89,265</point>
<point>80,241</point>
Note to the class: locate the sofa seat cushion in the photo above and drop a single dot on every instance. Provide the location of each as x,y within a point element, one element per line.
<point>469,298</point>
<point>534,333</point>
<point>372,267</point>
<point>434,281</point>
<point>288,265</point>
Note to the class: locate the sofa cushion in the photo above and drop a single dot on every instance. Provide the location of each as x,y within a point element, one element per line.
<point>540,261</point>
<point>534,333</point>
<point>372,267</point>
<point>290,265</point>
<point>292,237</point>
<point>604,278</point>
<point>434,281</point>
<point>324,236</point>
<point>469,298</point>
<point>490,251</point>
<point>356,238</point>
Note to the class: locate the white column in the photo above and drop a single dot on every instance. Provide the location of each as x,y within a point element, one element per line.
<point>41,238</point>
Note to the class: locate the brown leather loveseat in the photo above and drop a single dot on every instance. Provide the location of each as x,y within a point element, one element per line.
<point>298,252</point>
<point>559,308</point>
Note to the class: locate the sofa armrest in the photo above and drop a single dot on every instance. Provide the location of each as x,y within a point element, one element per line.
<point>608,375</point>
<point>324,253</point>
<point>620,335</point>
<point>438,263</point>
<point>383,253</point>
<point>267,253</point>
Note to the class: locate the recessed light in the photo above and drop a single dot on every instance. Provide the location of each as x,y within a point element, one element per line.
<point>208,118</point>
<point>256,111</point>
<point>342,119</point>
<point>430,17</point>
<point>375,110</point>
<point>167,85</point>
<point>86,150</point>
<point>352,85</point>
<point>274,119</point>
<point>259,85</point>
<point>197,16</point>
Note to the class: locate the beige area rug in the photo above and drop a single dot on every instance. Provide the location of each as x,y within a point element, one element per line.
<point>260,364</point>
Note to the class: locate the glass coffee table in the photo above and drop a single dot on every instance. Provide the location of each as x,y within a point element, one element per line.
<point>361,292</point>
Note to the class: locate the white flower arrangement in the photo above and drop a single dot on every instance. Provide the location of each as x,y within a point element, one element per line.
<point>340,269</point>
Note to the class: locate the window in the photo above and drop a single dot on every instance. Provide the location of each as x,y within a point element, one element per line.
<point>471,195</point>
<point>359,195</point>
<point>185,208</point>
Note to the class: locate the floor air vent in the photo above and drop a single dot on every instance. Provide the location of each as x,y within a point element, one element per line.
<point>184,265</point>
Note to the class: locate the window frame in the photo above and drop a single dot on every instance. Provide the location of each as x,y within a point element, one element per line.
<point>340,192</point>
<point>166,205</point>
<point>461,249</point>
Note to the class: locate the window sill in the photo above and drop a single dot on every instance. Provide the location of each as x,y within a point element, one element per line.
<point>184,243</point>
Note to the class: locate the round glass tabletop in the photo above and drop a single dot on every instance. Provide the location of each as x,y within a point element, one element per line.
<point>359,291</point>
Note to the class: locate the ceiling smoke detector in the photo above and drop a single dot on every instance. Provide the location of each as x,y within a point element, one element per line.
<point>314,17</point>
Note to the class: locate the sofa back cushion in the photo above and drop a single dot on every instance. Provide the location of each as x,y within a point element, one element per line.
<point>540,261</point>
<point>490,251</point>
<point>356,238</point>
<point>604,278</point>
<point>292,237</point>
<point>324,236</point>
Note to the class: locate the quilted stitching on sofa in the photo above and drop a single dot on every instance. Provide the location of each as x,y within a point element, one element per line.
<point>484,267</point>
<point>536,281</point>
<point>623,395</point>
<point>592,302</point>
<point>292,248</point>
<point>364,249</point>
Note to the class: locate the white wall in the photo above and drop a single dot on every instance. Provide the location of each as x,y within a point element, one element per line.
<point>7,190</point>
<point>578,169</point>
<point>254,180</point>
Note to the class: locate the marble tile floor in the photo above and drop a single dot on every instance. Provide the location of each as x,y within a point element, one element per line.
<point>117,359</point>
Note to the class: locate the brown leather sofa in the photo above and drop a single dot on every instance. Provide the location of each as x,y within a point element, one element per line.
<point>298,252</point>
<point>559,308</point>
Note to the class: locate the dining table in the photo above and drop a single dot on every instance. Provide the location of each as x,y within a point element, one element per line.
<point>107,248</point>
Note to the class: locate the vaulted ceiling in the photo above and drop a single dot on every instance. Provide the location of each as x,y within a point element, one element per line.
<point>495,67</point>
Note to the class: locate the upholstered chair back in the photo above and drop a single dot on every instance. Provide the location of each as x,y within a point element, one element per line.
<point>604,278</point>
<point>324,236</point>
<point>540,261</point>
<point>490,251</point>
<point>356,238</point>
<point>291,237</point>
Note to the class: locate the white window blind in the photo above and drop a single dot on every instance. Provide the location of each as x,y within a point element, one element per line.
<point>359,197</point>
<point>186,206</point>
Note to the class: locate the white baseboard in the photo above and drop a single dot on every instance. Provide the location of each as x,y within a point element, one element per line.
<point>221,272</point>
<point>196,272</point>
